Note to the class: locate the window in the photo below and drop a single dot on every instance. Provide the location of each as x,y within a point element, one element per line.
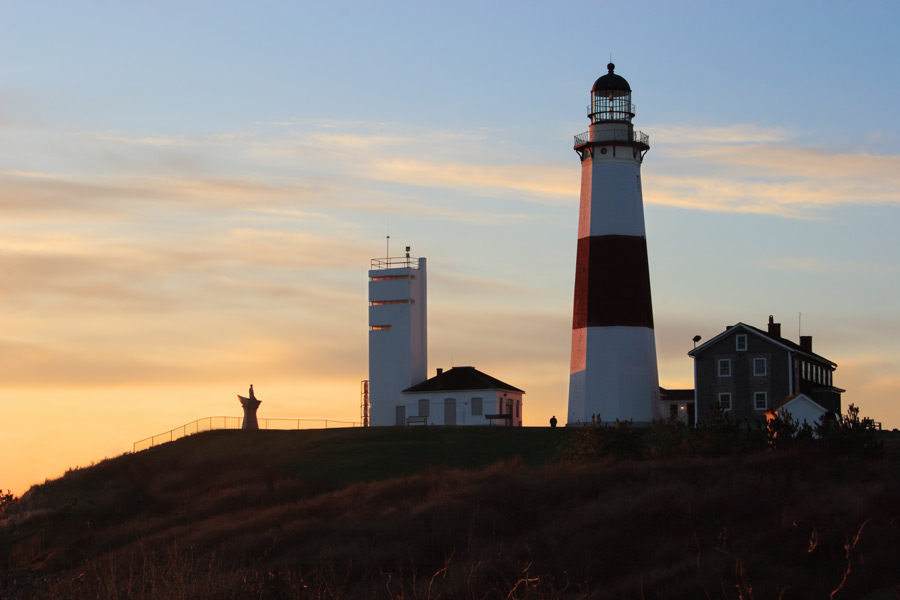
<point>725,401</point>
<point>760,402</point>
<point>477,409</point>
<point>424,406</point>
<point>383,302</point>
<point>759,367</point>
<point>724,367</point>
<point>380,327</point>
<point>740,342</point>
<point>518,408</point>
<point>389,277</point>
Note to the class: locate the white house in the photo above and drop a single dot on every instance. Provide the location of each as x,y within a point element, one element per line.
<point>802,409</point>
<point>463,396</point>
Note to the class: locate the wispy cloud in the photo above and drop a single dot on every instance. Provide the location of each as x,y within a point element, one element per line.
<point>542,183</point>
<point>773,179</point>
<point>810,264</point>
<point>736,134</point>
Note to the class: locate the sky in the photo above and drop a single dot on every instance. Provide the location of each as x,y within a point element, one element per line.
<point>191,193</point>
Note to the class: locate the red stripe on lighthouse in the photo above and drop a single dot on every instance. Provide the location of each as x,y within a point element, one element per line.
<point>612,283</point>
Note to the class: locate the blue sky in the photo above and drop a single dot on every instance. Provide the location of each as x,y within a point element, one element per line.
<point>190,193</point>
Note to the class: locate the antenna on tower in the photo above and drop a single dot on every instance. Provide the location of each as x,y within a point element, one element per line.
<point>388,255</point>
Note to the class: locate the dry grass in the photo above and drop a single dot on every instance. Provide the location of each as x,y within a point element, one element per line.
<point>199,521</point>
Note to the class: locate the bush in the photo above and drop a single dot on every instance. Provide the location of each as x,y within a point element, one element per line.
<point>618,441</point>
<point>851,435</point>
<point>718,435</point>
<point>7,502</point>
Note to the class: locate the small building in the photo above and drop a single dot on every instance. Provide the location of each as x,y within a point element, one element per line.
<point>746,371</point>
<point>461,396</point>
<point>677,405</point>
<point>802,409</point>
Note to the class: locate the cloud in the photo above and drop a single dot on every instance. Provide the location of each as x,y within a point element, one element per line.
<point>745,168</point>
<point>819,265</point>
<point>543,184</point>
<point>736,134</point>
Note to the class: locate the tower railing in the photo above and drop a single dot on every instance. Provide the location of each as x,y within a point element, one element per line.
<point>613,135</point>
<point>214,423</point>
<point>394,262</point>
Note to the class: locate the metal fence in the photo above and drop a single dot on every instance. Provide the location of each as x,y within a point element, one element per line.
<point>210,423</point>
<point>614,135</point>
<point>394,262</point>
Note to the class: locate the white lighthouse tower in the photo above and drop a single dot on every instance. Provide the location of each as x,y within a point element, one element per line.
<point>398,335</point>
<point>613,372</point>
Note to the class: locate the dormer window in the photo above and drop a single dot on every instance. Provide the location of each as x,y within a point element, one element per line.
<point>740,342</point>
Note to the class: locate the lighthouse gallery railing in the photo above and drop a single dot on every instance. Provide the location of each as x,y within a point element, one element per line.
<point>614,135</point>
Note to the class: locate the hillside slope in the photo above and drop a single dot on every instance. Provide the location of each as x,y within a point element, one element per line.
<point>387,513</point>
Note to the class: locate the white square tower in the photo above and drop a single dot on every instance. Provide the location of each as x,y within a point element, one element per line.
<point>398,335</point>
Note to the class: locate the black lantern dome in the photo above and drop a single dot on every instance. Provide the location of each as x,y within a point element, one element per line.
<point>611,99</point>
<point>611,81</point>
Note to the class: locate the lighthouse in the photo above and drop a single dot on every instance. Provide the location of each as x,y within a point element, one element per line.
<point>613,372</point>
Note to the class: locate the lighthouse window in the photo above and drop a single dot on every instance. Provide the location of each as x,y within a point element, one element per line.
<point>383,302</point>
<point>724,367</point>
<point>389,277</point>
<point>380,327</point>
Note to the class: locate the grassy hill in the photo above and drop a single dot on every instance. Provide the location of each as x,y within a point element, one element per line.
<point>452,512</point>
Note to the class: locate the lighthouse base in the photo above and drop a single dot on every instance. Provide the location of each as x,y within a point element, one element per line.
<point>622,381</point>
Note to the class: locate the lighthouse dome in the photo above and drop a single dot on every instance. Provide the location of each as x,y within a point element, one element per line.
<point>611,81</point>
<point>611,99</point>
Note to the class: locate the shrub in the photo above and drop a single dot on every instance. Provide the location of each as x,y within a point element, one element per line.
<point>618,441</point>
<point>718,435</point>
<point>7,502</point>
<point>851,435</point>
<point>784,432</point>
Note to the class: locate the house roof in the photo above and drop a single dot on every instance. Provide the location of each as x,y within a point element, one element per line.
<point>462,378</point>
<point>779,341</point>
<point>676,395</point>
<point>798,398</point>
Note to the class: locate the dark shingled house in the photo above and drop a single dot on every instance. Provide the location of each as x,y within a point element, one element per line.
<point>746,371</point>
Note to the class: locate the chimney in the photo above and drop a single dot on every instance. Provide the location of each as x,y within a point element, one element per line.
<point>806,343</point>
<point>439,371</point>
<point>774,328</point>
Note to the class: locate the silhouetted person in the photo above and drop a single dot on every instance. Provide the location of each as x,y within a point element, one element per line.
<point>553,421</point>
